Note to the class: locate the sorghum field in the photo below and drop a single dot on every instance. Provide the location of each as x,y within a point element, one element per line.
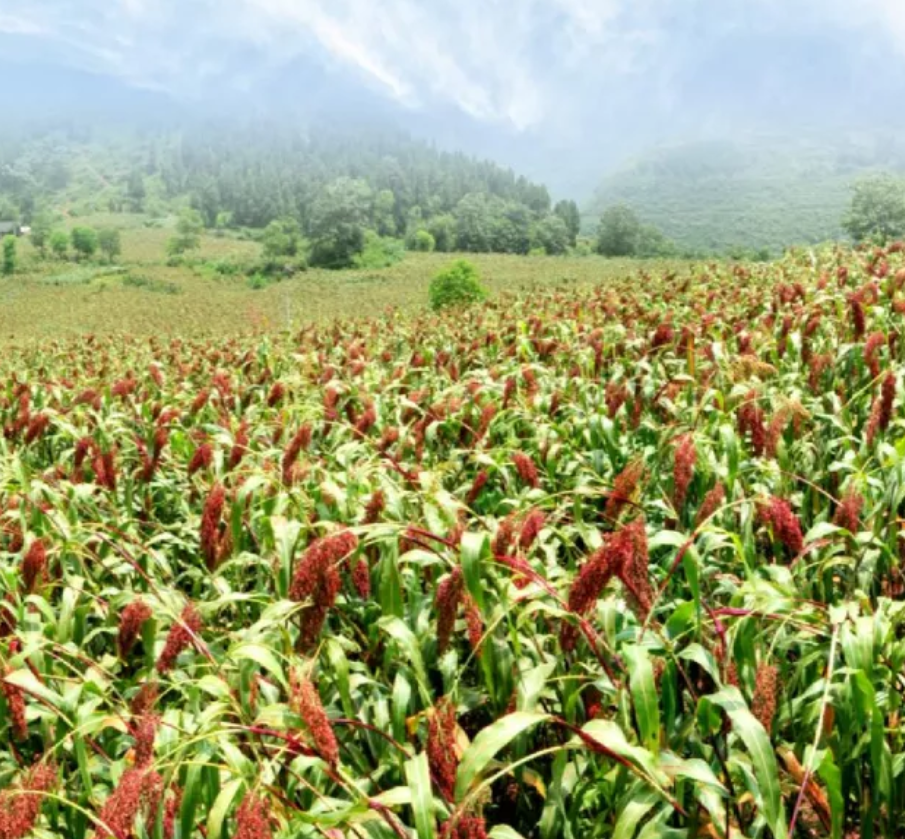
<point>614,562</point>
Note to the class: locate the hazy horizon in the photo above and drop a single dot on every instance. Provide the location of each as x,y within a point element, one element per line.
<point>560,89</point>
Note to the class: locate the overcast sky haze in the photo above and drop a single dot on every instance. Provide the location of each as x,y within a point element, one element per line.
<point>565,73</point>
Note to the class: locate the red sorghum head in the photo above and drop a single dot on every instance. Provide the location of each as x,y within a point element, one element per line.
<point>633,572</point>
<point>306,702</point>
<point>144,730</point>
<point>624,486</point>
<point>592,578</point>
<point>34,566</point>
<point>474,623</point>
<point>375,507</point>
<point>848,513</point>
<point>449,593</point>
<point>526,468</point>
<point>144,700</point>
<point>317,577</point>
<point>20,805</point>
<point>683,469</point>
<point>130,623</point>
<point>711,503</point>
<point>786,528</point>
<point>179,637</point>
<point>441,747</point>
<point>277,392</point>
<point>253,818</point>
<point>300,440</point>
<point>15,701</point>
<point>201,459</point>
<point>766,692</point>
<point>532,525</point>
<point>139,789</point>
<point>210,525</point>
<point>476,486</point>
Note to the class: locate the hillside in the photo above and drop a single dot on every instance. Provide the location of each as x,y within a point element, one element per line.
<point>756,192</point>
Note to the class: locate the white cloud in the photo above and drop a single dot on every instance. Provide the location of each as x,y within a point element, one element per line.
<point>521,62</point>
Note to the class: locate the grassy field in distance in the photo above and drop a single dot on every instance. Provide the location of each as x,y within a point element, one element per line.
<point>142,295</point>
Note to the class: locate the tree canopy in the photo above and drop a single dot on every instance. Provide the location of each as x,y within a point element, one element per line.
<point>877,210</point>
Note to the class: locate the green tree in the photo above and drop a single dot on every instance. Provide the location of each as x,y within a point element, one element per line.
<point>652,243</point>
<point>41,227</point>
<point>281,238</point>
<point>456,285</point>
<point>9,210</point>
<point>877,210</point>
<point>423,241</point>
<point>552,234</point>
<point>84,241</point>
<point>110,242</point>
<point>510,227</point>
<point>188,233</point>
<point>443,229</point>
<point>474,224</point>
<point>385,213</point>
<point>9,255</point>
<point>618,232</point>
<point>568,212</point>
<point>135,190</point>
<point>337,223</point>
<point>59,243</point>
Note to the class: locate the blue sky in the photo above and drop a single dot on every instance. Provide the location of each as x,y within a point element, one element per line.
<point>528,65</point>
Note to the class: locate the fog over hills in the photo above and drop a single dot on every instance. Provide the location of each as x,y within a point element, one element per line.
<point>565,91</point>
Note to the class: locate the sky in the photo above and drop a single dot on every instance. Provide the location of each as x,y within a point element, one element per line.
<point>566,73</point>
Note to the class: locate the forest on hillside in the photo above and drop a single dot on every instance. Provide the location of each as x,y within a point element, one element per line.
<point>248,178</point>
<point>750,192</point>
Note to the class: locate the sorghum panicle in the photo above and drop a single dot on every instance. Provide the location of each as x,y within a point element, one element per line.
<point>766,691</point>
<point>848,513</point>
<point>34,566</point>
<point>201,459</point>
<point>474,623</point>
<point>306,702</point>
<point>476,486</point>
<point>210,525</point>
<point>20,805</point>
<point>179,637</point>
<point>711,503</point>
<point>253,818</point>
<point>624,486</point>
<point>300,440</point>
<point>441,747</point>
<point>130,623</point>
<point>526,468</point>
<point>317,577</point>
<point>683,469</point>
<point>449,593</point>
<point>786,528</point>
<point>532,525</point>
<point>15,701</point>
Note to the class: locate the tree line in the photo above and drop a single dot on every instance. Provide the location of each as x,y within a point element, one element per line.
<point>332,186</point>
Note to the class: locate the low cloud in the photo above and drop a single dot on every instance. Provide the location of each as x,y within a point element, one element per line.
<point>528,64</point>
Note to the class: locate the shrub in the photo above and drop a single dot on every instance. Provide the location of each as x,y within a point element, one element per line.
<point>84,241</point>
<point>379,252</point>
<point>423,241</point>
<point>59,243</point>
<point>456,285</point>
<point>9,255</point>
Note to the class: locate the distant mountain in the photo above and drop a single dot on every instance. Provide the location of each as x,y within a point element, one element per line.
<point>754,192</point>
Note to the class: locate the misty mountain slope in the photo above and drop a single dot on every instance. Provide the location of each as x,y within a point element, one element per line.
<point>755,192</point>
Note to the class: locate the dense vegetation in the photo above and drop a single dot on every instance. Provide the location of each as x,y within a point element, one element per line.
<point>746,194</point>
<point>334,185</point>
<point>612,561</point>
